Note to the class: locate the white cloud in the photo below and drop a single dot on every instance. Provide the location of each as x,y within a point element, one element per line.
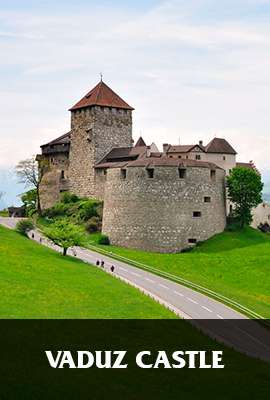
<point>186,77</point>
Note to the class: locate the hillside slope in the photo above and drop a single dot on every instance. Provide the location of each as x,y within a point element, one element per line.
<point>36,282</point>
<point>234,264</point>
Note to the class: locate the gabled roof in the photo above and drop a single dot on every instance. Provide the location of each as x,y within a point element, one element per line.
<point>119,154</point>
<point>140,142</point>
<point>63,139</point>
<point>101,95</point>
<point>163,161</point>
<point>218,145</point>
<point>183,148</point>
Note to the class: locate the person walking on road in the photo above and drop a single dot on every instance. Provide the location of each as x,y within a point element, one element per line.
<point>112,268</point>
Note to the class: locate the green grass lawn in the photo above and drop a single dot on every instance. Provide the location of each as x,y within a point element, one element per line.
<point>36,282</point>
<point>234,264</point>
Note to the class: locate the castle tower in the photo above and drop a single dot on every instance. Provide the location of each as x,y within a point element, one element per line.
<point>100,121</point>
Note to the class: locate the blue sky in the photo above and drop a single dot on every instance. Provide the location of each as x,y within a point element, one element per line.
<point>193,69</point>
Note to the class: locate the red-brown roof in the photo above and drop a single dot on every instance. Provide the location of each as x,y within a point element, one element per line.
<point>63,139</point>
<point>101,95</point>
<point>218,145</point>
<point>183,148</point>
<point>164,161</point>
<point>140,142</point>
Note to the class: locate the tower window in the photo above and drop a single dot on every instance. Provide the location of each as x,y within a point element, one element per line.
<point>192,241</point>
<point>62,174</point>
<point>224,158</point>
<point>186,156</point>
<point>104,172</point>
<point>207,199</point>
<point>179,156</point>
<point>150,173</point>
<point>213,174</point>
<point>123,173</point>
<point>197,214</point>
<point>198,157</point>
<point>182,173</point>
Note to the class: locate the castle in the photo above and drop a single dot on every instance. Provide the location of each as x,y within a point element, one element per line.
<point>156,201</point>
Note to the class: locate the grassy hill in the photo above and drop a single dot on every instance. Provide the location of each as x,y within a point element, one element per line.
<point>234,264</point>
<point>36,282</point>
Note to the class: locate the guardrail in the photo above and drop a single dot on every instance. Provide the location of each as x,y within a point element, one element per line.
<point>178,279</point>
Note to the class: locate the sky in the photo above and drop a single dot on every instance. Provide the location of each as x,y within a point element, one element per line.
<point>192,69</point>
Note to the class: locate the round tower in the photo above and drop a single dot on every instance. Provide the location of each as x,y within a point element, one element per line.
<point>163,205</point>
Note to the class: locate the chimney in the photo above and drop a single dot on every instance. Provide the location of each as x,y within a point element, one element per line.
<point>201,143</point>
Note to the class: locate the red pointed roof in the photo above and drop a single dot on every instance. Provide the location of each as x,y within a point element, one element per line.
<point>218,145</point>
<point>101,95</point>
<point>140,142</point>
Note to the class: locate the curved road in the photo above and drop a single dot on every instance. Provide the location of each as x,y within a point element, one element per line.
<point>239,332</point>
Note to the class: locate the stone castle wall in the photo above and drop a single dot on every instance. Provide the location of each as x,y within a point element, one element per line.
<point>54,178</point>
<point>95,131</point>
<point>156,214</point>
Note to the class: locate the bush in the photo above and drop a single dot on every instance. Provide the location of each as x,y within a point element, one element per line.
<point>103,239</point>
<point>67,198</point>
<point>88,209</point>
<point>93,225</point>
<point>24,226</point>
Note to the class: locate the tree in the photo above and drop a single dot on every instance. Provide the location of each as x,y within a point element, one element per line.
<point>64,235</point>
<point>28,173</point>
<point>245,191</point>
<point>29,200</point>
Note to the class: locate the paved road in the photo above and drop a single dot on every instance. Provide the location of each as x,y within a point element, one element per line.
<point>245,335</point>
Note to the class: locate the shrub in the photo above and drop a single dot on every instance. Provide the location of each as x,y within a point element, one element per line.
<point>67,198</point>
<point>24,226</point>
<point>93,225</point>
<point>103,239</point>
<point>88,209</point>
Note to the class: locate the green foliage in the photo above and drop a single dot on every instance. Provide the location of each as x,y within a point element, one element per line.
<point>88,209</point>
<point>93,225</point>
<point>67,198</point>
<point>78,211</point>
<point>245,191</point>
<point>103,239</point>
<point>29,200</point>
<point>24,226</point>
<point>64,234</point>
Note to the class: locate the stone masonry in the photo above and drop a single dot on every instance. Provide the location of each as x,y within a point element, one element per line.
<point>95,131</point>
<point>157,214</point>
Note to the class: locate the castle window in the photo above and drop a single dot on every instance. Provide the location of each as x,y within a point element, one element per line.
<point>198,157</point>
<point>207,199</point>
<point>213,174</point>
<point>182,173</point>
<point>179,156</point>
<point>171,156</point>
<point>150,173</point>
<point>104,172</point>
<point>224,158</point>
<point>197,214</point>
<point>123,173</point>
<point>192,241</point>
<point>62,174</point>
<point>186,156</point>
